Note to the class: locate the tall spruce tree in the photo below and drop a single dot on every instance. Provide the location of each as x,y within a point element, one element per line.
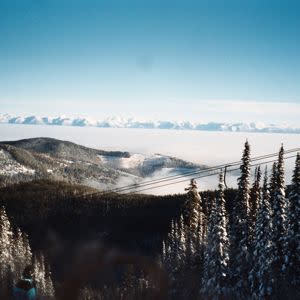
<point>42,276</point>
<point>208,260</point>
<point>180,242</point>
<point>215,277</point>
<point>171,249</point>
<point>279,223</point>
<point>260,275</point>
<point>21,253</point>
<point>195,225</point>
<point>174,248</point>
<point>192,206</point>
<point>177,253</point>
<point>6,234</point>
<point>293,230</point>
<point>253,204</point>
<point>6,258</point>
<point>239,247</point>
<point>273,184</point>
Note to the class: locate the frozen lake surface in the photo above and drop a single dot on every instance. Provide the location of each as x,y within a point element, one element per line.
<point>210,148</point>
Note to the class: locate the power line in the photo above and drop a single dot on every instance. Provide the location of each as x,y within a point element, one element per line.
<point>187,174</point>
<point>181,181</point>
<point>191,173</point>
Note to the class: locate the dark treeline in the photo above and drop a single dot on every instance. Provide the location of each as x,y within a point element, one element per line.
<point>43,200</point>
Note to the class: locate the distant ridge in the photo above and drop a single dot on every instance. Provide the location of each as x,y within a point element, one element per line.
<point>47,158</point>
<point>118,122</point>
<point>60,148</point>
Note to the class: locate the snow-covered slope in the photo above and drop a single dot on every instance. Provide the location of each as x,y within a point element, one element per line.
<point>146,165</point>
<point>47,158</point>
<point>117,122</point>
<point>122,162</point>
<point>10,167</point>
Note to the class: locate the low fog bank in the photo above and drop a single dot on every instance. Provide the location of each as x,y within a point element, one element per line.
<point>205,183</point>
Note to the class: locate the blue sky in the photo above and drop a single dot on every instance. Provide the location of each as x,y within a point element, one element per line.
<point>151,59</point>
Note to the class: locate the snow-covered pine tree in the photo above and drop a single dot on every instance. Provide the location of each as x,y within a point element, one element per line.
<point>260,275</point>
<point>253,204</point>
<point>15,255</point>
<point>189,246</point>
<point>42,276</point>
<point>293,227</point>
<point>192,206</point>
<point>21,253</point>
<point>181,236</point>
<point>6,261</point>
<point>195,225</point>
<point>239,241</point>
<point>177,253</point>
<point>5,244</point>
<point>279,223</point>
<point>49,288</point>
<point>215,277</point>
<point>171,239</point>
<point>208,260</point>
<point>173,249</point>
<point>273,184</point>
<point>39,273</point>
<point>164,254</point>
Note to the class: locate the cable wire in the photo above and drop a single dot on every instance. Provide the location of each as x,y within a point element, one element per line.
<point>203,176</point>
<point>191,173</point>
<point>185,175</point>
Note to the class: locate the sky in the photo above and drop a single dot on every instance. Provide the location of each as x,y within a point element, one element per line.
<point>193,60</point>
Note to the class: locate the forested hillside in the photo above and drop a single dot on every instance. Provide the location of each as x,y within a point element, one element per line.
<point>51,159</point>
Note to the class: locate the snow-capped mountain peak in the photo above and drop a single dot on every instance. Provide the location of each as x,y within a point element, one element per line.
<point>119,122</point>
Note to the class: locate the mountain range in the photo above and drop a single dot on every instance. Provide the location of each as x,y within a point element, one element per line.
<point>118,122</point>
<point>47,158</point>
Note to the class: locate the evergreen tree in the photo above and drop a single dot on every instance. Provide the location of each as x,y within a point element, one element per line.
<point>177,253</point>
<point>273,184</point>
<point>165,252</point>
<point>195,225</point>
<point>21,253</point>
<point>293,226</point>
<point>15,255</point>
<point>171,249</point>
<point>49,286</point>
<point>239,252</point>
<point>42,276</point>
<point>181,237</point>
<point>175,246</point>
<point>6,234</point>
<point>260,275</point>
<point>192,211</point>
<point>253,203</point>
<point>279,223</point>
<point>207,273</point>
<point>215,278</point>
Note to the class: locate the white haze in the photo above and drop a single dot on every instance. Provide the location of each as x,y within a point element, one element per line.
<point>209,148</point>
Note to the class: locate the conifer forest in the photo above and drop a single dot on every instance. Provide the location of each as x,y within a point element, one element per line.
<point>226,244</point>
